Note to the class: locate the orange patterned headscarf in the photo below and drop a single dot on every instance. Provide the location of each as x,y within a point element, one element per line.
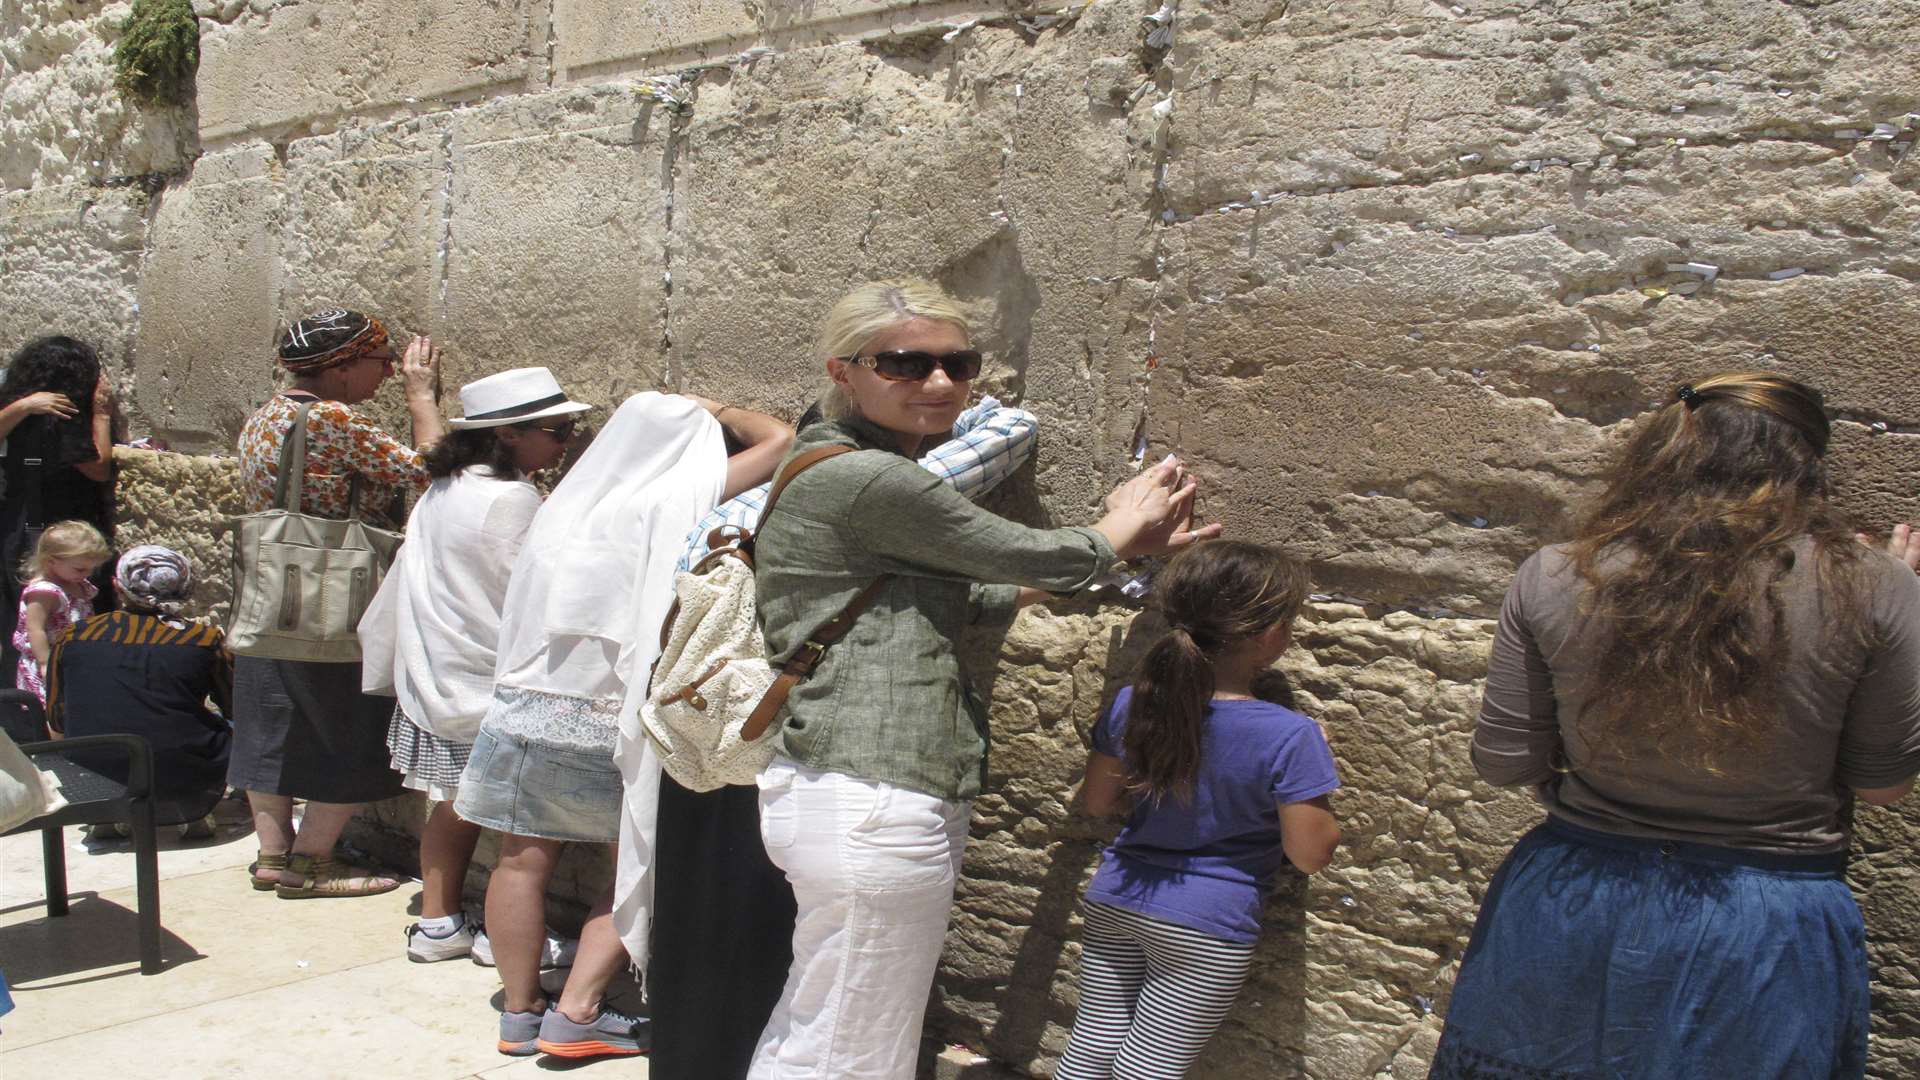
<point>329,339</point>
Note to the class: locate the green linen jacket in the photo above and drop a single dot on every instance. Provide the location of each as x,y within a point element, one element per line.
<point>889,701</point>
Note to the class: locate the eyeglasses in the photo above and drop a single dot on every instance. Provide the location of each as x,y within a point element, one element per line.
<point>911,365</point>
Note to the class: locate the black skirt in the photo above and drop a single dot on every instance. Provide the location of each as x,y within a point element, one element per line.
<point>722,934</point>
<point>305,730</point>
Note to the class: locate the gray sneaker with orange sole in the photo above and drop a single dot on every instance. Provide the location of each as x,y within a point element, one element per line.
<point>610,1033</point>
<point>520,1033</point>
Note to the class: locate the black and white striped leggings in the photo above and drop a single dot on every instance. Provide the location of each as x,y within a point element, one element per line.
<point>1151,994</point>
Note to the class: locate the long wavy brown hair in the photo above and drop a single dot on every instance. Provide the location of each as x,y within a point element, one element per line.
<point>1214,595</point>
<point>1684,552</point>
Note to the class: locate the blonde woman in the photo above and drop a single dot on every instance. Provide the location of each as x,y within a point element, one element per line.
<point>881,752</point>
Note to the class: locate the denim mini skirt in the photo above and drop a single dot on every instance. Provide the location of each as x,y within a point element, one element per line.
<point>524,787</point>
<point>1600,955</point>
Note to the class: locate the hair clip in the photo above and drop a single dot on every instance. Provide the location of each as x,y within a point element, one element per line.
<point>1690,397</point>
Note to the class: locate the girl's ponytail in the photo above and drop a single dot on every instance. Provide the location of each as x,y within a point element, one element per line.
<point>1168,716</point>
<point>1213,595</point>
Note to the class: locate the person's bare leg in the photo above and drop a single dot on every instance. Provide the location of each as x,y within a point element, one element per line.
<point>446,849</point>
<point>272,827</point>
<point>601,956</point>
<point>517,917</point>
<point>320,827</point>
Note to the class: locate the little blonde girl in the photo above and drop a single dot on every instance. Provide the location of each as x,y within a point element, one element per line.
<point>57,595</point>
<point>1224,789</point>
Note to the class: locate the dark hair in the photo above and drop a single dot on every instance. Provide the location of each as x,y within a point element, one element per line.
<point>1683,551</point>
<point>473,446</point>
<point>61,364</point>
<point>1214,595</point>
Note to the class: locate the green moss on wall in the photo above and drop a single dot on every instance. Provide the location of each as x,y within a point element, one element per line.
<point>158,52</point>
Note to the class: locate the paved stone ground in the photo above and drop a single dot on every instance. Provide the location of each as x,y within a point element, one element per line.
<point>253,985</point>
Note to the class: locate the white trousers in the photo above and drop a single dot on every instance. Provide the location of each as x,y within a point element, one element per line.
<point>873,868</point>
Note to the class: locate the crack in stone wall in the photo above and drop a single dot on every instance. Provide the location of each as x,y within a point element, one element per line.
<point>1391,276</point>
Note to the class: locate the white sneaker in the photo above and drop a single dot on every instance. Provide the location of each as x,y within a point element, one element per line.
<point>424,948</point>
<point>558,953</point>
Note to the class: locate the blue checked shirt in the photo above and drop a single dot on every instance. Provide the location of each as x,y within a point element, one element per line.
<point>990,442</point>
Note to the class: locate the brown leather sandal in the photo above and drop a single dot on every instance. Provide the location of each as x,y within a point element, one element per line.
<point>264,871</point>
<point>328,877</point>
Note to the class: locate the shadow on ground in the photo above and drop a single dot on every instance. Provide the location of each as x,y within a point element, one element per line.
<point>95,934</point>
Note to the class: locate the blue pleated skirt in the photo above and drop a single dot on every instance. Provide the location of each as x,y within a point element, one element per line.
<point>1597,955</point>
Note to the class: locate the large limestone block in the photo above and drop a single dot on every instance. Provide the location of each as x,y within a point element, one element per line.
<point>187,503</point>
<point>1306,96</point>
<point>1886,879</point>
<point>972,163</point>
<point>275,67</point>
<point>365,219</point>
<point>61,120</point>
<point>209,297</point>
<point>1402,482</point>
<point>871,177</point>
<point>1876,476</point>
<point>1081,281</point>
<point>595,38</point>
<point>554,245</point>
<point>70,264</point>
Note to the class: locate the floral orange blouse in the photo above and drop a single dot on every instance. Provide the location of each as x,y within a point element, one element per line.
<point>339,444</point>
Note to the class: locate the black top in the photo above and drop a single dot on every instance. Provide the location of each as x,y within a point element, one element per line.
<point>65,492</point>
<point>137,674</point>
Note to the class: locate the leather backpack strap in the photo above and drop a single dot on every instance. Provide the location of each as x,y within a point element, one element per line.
<point>794,468</point>
<point>799,667</point>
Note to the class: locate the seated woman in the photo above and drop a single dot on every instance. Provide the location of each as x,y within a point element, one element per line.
<point>145,670</point>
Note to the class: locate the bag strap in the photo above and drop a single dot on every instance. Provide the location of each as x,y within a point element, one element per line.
<point>33,471</point>
<point>799,667</point>
<point>291,483</point>
<point>794,468</point>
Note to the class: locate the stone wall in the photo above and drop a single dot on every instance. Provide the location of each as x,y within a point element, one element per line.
<point>1390,273</point>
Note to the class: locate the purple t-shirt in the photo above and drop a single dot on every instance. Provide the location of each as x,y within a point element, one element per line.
<point>1209,863</point>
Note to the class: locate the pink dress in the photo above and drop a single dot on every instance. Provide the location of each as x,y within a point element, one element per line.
<point>67,610</point>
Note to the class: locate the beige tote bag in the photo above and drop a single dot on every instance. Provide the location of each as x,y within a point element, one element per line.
<point>25,792</point>
<point>301,582</point>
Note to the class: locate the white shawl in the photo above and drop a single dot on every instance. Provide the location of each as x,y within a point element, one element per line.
<point>429,636</point>
<point>593,585</point>
<point>584,606</point>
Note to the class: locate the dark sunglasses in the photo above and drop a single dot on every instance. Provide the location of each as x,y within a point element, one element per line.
<point>561,431</point>
<point>910,365</point>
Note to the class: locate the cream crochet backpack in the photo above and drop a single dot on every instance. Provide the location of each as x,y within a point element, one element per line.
<point>713,696</point>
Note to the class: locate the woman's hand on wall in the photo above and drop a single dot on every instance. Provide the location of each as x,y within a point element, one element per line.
<point>420,369</point>
<point>1152,514</point>
<point>1902,544</point>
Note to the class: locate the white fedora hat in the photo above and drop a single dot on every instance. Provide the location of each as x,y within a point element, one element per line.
<point>513,397</point>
